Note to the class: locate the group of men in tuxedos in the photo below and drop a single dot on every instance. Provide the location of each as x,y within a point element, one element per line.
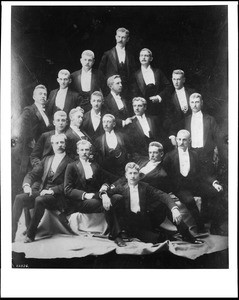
<point>97,144</point>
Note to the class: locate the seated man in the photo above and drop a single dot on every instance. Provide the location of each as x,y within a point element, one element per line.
<point>47,193</point>
<point>82,184</point>
<point>43,146</point>
<point>74,133</point>
<point>141,207</point>
<point>187,180</point>
<point>92,121</point>
<point>151,169</point>
<point>112,147</point>
<point>62,98</point>
<point>88,80</point>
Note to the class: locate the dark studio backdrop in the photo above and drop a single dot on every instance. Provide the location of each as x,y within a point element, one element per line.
<point>46,39</point>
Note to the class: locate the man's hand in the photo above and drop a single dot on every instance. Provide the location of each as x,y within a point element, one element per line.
<point>156,98</point>
<point>173,140</point>
<point>106,202</point>
<point>27,189</point>
<point>177,217</point>
<point>46,192</point>
<point>104,188</point>
<point>128,121</point>
<point>89,196</point>
<point>217,186</point>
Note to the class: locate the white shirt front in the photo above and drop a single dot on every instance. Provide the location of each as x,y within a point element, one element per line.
<point>144,124</point>
<point>86,80</point>
<point>42,112</point>
<point>150,166</point>
<point>118,100</point>
<point>134,198</point>
<point>120,53</point>
<point>77,131</point>
<point>57,160</point>
<point>197,130</point>
<point>87,169</point>
<point>61,98</point>
<point>184,162</point>
<point>111,139</point>
<point>182,99</point>
<point>148,75</point>
<point>95,118</point>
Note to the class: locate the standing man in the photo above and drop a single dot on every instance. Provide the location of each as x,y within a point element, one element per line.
<point>115,104</point>
<point>48,193</point>
<point>33,122</point>
<point>151,84</point>
<point>62,98</point>
<point>119,60</point>
<point>88,80</point>
<point>177,107</point>
<point>144,129</point>
<point>92,121</point>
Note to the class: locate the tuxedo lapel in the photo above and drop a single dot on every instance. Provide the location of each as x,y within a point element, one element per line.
<point>206,126</point>
<point>61,167</point>
<point>80,172</point>
<point>47,166</point>
<point>67,101</point>
<point>127,196</point>
<point>114,58</point>
<point>37,113</point>
<point>176,101</point>
<point>138,126</point>
<point>141,82</point>
<point>79,79</point>
<point>141,197</point>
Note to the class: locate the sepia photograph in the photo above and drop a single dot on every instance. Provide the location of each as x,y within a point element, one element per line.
<point>119,164</point>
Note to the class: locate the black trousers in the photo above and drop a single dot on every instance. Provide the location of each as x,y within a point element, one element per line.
<point>39,203</point>
<point>142,224</point>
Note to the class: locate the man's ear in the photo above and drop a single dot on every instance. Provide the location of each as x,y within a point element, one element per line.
<point>114,124</point>
<point>162,154</point>
<point>151,58</point>
<point>70,80</point>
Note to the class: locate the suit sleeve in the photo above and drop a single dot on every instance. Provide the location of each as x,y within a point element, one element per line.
<point>35,174</point>
<point>103,63</point>
<point>37,152</point>
<point>155,196</point>
<point>70,184</point>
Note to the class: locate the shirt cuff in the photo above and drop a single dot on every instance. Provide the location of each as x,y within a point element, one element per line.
<point>215,181</point>
<point>83,196</point>
<point>175,207</point>
<point>25,184</point>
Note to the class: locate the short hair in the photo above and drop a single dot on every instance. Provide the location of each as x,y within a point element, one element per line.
<point>75,110</point>
<point>149,51</point>
<point>39,86</point>
<point>195,96</point>
<point>184,131</point>
<point>122,29</point>
<point>64,72</point>
<point>109,116</point>
<point>83,142</point>
<point>55,136</point>
<point>88,53</point>
<point>110,80</point>
<point>139,99</point>
<point>59,113</point>
<point>156,144</point>
<point>178,72</point>
<point>132,165</point>
<point>97,93</point>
